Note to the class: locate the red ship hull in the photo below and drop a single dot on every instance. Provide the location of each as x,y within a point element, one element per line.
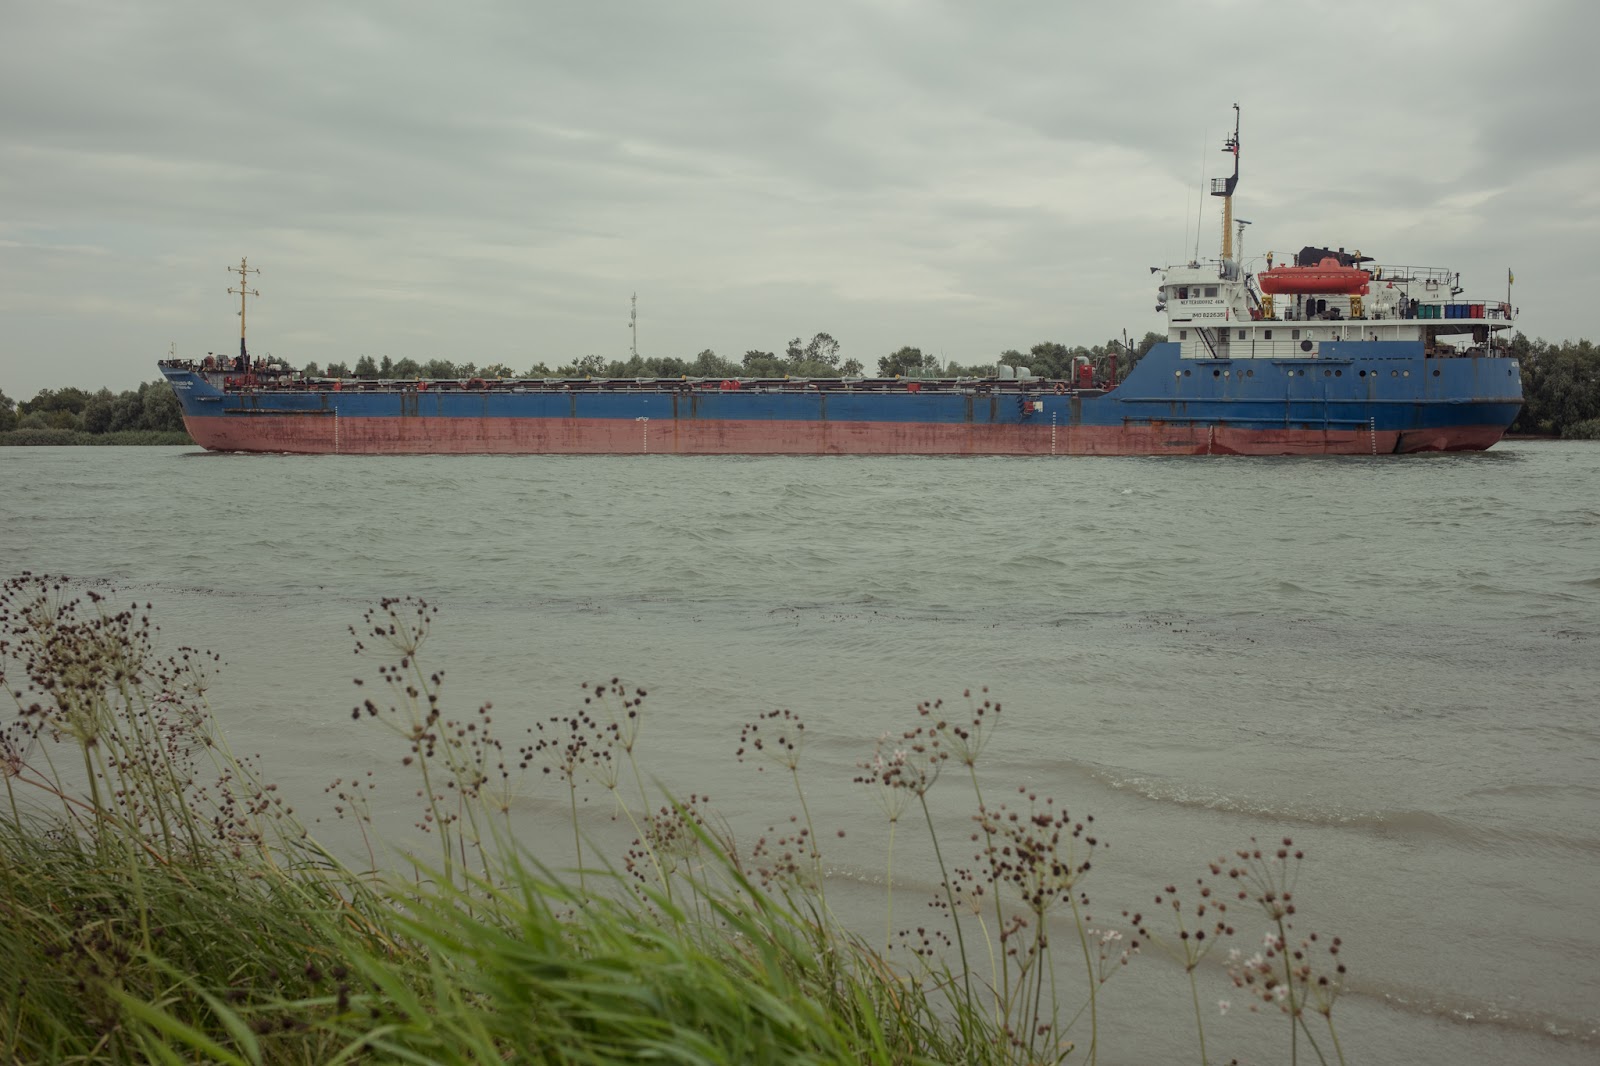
<point>316,434</point>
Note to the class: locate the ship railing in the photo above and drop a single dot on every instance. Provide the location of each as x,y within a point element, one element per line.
<point>1398,272</point>
<point>677,384</point>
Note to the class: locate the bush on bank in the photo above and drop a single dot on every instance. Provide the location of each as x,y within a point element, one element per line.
<point>35,437</point>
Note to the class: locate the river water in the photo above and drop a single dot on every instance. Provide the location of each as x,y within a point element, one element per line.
<point>1392,661</point>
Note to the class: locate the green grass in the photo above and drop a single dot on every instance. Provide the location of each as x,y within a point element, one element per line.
<point>162,902</point>
<point>24,438</point>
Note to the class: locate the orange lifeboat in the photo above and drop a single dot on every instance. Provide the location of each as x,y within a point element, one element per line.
<point>1326,277</point>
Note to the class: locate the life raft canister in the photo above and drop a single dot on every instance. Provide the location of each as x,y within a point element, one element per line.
<point>1326,277</point>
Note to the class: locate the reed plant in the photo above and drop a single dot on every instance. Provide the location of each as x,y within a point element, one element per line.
<point>163,901</point>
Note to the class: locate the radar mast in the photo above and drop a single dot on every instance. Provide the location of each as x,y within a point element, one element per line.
<point>1223,187</point>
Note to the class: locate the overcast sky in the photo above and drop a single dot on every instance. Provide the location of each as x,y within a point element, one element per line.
<point>493,180</point>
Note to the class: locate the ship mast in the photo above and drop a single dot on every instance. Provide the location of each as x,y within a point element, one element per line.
<point>244,270</point>
<point>1223,187</point>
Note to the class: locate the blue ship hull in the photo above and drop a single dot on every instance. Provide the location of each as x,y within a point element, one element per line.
<point>1354,397</point>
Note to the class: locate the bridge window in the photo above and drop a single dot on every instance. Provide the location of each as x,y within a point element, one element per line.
<point>1294,335</point>
<point>1241,334</point>
<point>1183,292</point>
<point>1211,290</point>
<point>1267,334</point>
<point>1183,334</point>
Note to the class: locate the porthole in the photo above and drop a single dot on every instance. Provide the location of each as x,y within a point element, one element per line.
<point>1394,373</point>
<point>1249,373</point>
<point>1435,373</point>
<point>1216,373</point>
<point>1405,373</point>
<point>1177,373</point>
<point>1338,373</point>
<point>1227,373</point>
<point>1363,373</point>
<point>1186,373</point>
<point>1305,346</point>
<point>1327,373</point>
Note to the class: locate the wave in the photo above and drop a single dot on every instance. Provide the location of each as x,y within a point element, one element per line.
<point>1466,1010</point>
<point>1400,823</point>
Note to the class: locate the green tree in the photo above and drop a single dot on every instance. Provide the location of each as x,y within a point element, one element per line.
<point>823,349</point>
<point>126,412</point>
<point>710,365</point>
<point>1560,386</point>
<point>386,368</point>
<point>337,370</point>
<point>759,364</point>
<point>8,413</point>
<point>162,410</point>
<point>1048,359</point>
<point>405,368</point>
<point>99,412</point>
<point>366,368</point>
<point>907,362</point>
<point>592,366</point>
<point>50,401</point>
<point>312,371</point>
<point>439,369</point>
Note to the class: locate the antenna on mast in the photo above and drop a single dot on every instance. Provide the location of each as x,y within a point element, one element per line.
<point>244,270</point>
<point>1223,187</point>
<point>633,323</point>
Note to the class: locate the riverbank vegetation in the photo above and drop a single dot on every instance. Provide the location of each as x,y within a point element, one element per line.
<point>818,358</point>
<point>149,414</point>
<point>1560,389</point>
<point>163,901</point>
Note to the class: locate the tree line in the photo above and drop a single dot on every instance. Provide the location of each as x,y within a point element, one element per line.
<point>148,414</point>
<point>1560,389</point>
<point>820,357</point>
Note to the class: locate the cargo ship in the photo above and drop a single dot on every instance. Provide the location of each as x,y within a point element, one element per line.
<point>1330,354</point>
